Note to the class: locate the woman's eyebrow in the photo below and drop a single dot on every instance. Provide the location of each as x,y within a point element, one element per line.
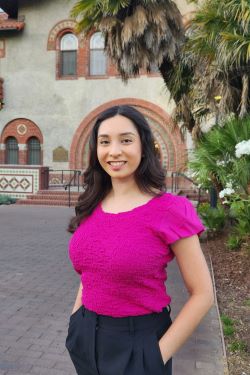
<point>122,134</point>
<point>127,133</point>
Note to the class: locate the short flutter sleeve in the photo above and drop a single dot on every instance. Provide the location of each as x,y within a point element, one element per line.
<point>180,221</point>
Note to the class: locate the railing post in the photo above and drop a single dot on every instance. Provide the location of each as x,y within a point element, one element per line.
<point>199,197</point>
<point>69,196</point>
<point>78,182</point>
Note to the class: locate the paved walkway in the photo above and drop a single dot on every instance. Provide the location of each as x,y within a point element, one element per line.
<point>37,290</point>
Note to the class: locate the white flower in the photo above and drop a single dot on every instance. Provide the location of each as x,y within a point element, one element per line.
<point>229,185</point>
<point>221,163</point>
<point>242,148</point>
<point>226,191</point>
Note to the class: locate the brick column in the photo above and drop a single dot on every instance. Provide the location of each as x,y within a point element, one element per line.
<point>23,154</point>
<point>2,153</point>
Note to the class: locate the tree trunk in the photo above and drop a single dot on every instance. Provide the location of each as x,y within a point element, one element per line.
<point>244,96</point>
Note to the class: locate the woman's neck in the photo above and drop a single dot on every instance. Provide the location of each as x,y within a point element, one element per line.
<point>124,188</point>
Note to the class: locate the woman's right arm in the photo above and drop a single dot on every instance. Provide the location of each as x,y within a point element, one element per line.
<point>78,301</point>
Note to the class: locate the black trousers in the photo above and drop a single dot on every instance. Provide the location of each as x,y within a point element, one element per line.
<point>103,345</point>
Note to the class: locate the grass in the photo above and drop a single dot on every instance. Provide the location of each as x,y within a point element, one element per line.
<point>228,330</point>
<point>226,320</point>
<point>227,324</point>
<point>238,346</point>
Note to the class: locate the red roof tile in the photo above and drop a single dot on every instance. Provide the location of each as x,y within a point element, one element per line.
<point>11,24</point>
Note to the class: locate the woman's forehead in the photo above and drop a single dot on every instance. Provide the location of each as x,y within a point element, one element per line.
<point>117,125</point>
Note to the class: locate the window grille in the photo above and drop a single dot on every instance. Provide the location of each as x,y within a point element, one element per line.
<point>68,55</point>
<point>11,151</point>
<point>98,58</point>
<point>34,151</point>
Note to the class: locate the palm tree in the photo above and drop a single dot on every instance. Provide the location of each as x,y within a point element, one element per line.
<point>211,61</point>
<point>214,62</point>
<point>139,34</point>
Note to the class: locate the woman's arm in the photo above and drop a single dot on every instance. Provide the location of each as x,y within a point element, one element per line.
<point>78,301</point>
<point>197,279</point>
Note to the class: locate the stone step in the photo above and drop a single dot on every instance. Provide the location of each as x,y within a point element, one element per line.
<point>52,197</point>
<point>58,192</point>
<point>193,194</point>
<point>44,202</point>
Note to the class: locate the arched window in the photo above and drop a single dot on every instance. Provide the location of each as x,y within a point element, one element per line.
<point>68,55</point>
<point>11,151</point>
<point>98,58</point>
<point>34,151</point>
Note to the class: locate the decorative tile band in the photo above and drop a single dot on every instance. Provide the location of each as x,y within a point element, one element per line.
<point>19,182</point>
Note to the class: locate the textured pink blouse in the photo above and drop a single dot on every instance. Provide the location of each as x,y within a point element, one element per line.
<point>122,258</point>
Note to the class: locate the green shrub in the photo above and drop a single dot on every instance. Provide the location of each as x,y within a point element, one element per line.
<point>233,242</point>
<point>240,213</point>
<point>213,218</point>
<point>6,199</point>
<point>214,162</point>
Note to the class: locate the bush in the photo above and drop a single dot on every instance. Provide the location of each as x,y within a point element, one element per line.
<point>6,199</point>
<point>215,162</point>
<point>240,212</point>
<point>213,218</point>
<point>233,242</point>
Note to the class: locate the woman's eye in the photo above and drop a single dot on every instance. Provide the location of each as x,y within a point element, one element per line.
<point>127,140</point>
<point>103,142</point>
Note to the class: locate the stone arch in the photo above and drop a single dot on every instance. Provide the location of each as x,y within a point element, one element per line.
<point>172,147</point>
<point>22,129</point>
<point>60,28</point>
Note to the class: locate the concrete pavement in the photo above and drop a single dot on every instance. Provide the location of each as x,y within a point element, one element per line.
<point>37,291</point>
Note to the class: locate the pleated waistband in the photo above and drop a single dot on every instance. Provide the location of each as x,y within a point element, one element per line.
<point>130,323</point>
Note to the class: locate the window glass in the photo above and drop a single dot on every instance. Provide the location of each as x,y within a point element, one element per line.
<point>98,58</point>
<point>69,42</point>
<point>34,151</point>
<point>11,151</point>
<point>68,57</point>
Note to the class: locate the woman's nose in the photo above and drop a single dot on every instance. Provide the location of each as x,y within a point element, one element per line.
<point>115,150</point>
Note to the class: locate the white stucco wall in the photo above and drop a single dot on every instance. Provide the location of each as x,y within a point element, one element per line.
<point>58,106</point>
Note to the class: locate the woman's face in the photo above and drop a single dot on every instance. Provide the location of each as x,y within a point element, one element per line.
<point>119,147</point>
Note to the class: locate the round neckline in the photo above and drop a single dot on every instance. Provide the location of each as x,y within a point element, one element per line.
<point>129,211</point>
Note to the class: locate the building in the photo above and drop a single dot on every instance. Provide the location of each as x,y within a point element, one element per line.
<point>53,84</point>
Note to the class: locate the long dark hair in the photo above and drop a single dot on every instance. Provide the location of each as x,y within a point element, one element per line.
<point>149,176</point>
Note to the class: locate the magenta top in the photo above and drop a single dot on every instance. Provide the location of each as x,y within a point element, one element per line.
<point>122,258</point>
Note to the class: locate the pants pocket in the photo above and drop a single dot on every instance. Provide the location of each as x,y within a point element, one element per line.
<point>158,351</point>
<point>75,338</point>
<point>74,315</point>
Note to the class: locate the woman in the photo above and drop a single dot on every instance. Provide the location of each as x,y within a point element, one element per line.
<point>126,230</point>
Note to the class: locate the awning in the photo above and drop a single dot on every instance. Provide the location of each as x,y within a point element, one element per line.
<point>11,24</point>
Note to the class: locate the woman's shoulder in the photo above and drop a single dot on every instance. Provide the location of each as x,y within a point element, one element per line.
<point>175,207</point>
<point>171,201</point>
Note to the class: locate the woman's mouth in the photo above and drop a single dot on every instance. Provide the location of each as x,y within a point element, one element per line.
<point>116,165</point>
